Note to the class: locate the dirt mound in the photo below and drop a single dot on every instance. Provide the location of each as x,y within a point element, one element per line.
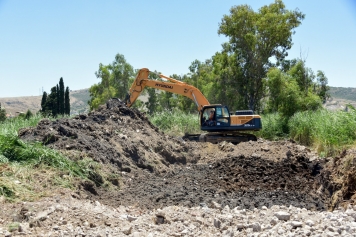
<point>249,175</point>
<point>114,134</point>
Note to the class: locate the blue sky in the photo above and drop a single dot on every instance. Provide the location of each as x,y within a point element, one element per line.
<point>43,40</point>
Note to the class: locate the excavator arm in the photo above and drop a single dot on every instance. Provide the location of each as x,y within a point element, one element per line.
<point>172,85</point>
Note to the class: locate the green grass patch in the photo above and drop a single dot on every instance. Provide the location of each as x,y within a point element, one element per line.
<point>176,123</point>
<point>327,131</point>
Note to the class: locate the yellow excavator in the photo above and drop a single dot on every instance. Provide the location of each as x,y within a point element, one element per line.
<point>215,119</point>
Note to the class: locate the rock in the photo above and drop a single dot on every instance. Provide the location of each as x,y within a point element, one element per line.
<point>131,218</point>
<point>136,234</point>
<point>127,230</point>
<point>7,234</point>
<point>159,220</point>
<point>256,227</point>
<point>309,223</point>
<point>217,223</point>
<point>274,220</point>
<point>240,226</point>
<point>22,228</point>
<point>282,215</point>
<point>41,216</point>
<point>160,213</point>
<point>215,205</point>
<point>296,224</point>
<point>199,219</point>
<point>226,209</point>
<point>265,148</point>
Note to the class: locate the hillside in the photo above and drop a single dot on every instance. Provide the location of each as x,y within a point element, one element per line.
<point>340,97</point>
<point>14,105</point>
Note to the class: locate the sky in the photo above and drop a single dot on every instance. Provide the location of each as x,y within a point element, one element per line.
<point>44,40</point>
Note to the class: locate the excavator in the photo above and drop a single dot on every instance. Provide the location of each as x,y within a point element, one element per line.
<point>216,120</point>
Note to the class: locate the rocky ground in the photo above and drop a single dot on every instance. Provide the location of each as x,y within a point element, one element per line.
<point>171,187</point>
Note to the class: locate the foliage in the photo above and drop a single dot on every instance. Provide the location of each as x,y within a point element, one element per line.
<point>152,102</point>
<point>321,87</point>
<point>2,114</point>
<point>176,123</point>
<point>66,102</point>
<point>274,127</point>
<point>289,92</point>
<point>254,39</point>
<point>115,79</point>
<point>56,103</point>
<point>327,131</point>
<point>61,97</point>
<point>26,115</point>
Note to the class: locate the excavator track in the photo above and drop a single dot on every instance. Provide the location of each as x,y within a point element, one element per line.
<point>217,137</point>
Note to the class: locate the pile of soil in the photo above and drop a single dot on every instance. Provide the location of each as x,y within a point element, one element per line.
<point>158,170</point>
<point>114,134</point>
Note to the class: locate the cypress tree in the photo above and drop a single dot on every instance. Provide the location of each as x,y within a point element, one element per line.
<point>58,99</point>
<point>52,103</point>
<point>61,100</point>
<point>43,102</point>
<point>67,102</point>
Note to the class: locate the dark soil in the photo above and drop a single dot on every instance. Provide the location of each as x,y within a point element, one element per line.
<point>158,170</point>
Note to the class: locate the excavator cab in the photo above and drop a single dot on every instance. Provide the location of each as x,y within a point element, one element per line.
<point>215,118</point>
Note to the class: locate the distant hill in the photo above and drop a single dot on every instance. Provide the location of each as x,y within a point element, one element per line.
<point>340,97</point>
<point>346,93</point>
<point>14,105</point>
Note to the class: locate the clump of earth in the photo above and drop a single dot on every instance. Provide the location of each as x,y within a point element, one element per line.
<point>160,171</point>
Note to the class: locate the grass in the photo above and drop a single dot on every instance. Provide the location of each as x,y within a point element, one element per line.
<point>176,123</point>
<point>31,170</point>
<point>328,132</point>
<point>274,127</point>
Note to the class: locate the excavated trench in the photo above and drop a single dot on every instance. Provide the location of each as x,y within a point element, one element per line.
<point>158,170</point>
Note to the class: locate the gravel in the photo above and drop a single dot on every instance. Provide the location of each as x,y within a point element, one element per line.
<point>67,216</point>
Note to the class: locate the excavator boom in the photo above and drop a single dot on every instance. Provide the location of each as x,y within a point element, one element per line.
<point>173,85</point>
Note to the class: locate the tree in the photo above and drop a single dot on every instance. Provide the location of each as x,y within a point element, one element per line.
<point>114,82</point>
<point>44,103</point>
<point>52,103</point>
<point>2,114</point>
<point>67,102</point>
<point>61,96</point>
<point>254,39</point>
<point>321,87</point>
<point>59,102</point>
<point>28,114</point>
<point>303,75</point>
<point>55,102</point>
<point>287,96</point>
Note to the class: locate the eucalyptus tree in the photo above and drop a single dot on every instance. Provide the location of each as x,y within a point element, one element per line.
<point>114,82</point>
<point>258,40</point>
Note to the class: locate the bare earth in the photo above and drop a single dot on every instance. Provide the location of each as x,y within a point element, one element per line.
<point>159,172</point>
